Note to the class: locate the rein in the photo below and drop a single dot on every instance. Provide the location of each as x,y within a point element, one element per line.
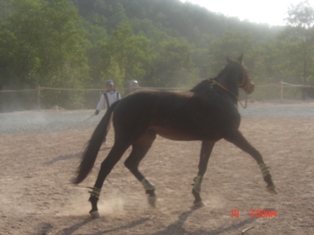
<point>87,119</point>
<point>225,89</point>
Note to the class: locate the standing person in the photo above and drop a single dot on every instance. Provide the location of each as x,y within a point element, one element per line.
<point>107,99</point>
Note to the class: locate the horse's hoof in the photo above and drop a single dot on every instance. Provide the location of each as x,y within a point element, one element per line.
<point>152,200</point>
<point>94,214</point>
<point>198,205</point>
<point>271,189</point>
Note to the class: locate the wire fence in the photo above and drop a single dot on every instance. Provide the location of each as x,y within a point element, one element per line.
<point>70,98</point>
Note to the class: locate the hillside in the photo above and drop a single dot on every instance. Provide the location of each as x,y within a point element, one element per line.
<point>80,43</point>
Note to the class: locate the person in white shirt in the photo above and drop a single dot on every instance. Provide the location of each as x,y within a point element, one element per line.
<point>108,97</point>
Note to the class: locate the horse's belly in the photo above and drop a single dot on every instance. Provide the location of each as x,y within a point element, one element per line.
<point>177,134</point>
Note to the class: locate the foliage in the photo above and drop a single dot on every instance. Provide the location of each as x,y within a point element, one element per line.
<point>299,36</point>
<point>301,15</point>
<point>42,44</point>
<point>124,56</point>
<point>79,43</point>
<point>173,65</point>
<point>230,44</point>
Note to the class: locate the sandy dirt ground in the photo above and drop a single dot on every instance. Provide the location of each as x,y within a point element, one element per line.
<point>36,166</point>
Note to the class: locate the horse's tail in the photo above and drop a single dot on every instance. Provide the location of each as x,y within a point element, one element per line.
<point>93,146</point>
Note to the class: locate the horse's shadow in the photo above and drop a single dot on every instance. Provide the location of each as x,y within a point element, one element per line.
<point>76,227</point>
<point>70,156</point>
<point>177,226</point>
<point>231,227</point>
<point>174,228</point>
<point>128,226</point>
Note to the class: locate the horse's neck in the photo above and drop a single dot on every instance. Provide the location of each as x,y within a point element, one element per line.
<point>229,81</point>
<point>202,87</point>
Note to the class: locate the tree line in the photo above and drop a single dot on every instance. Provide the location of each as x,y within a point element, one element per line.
<point>78,43</point>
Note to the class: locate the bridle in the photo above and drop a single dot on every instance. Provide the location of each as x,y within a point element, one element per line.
<point>244,85</point>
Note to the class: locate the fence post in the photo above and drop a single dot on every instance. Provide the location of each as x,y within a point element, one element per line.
<point>38,98</point>
<point>281,90</point>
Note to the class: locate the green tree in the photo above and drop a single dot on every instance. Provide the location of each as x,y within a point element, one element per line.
<point>173,65</point>
<point>276,61</point>
<point>264,62</point>
<point>230,45</point>
<point>300,35</point>
<point>42,43</point>
<point>5,10</point>
<point>125,56</point>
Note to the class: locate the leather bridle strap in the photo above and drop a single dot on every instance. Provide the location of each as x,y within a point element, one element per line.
<point>225,89</point>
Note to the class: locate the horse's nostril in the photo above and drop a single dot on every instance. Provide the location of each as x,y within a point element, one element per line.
<point>251,89</point>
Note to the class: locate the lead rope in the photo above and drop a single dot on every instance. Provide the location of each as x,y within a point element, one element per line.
<point>225,89</point>
<point>245,102</point>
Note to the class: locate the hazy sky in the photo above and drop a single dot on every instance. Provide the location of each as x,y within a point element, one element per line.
<point>271,12</point>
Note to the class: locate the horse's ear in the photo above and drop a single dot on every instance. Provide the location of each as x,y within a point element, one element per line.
<point>240,59</point>
<point>229,60</point>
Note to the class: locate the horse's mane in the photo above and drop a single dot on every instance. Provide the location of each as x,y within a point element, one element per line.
<point>201,86</point>
<point>222,72</point>
<point>231,64</point>
<point>204,84</point>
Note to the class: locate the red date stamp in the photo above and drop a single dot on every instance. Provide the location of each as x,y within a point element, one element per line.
<point>255,213</point>
<point>263,213</point>
<point>235,213</point>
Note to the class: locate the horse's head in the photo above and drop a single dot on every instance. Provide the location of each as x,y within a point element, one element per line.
<point>243,79</point>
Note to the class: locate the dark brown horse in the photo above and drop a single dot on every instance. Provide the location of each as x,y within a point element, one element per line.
<point>208,113</point>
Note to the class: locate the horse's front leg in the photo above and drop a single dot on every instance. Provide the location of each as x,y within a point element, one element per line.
<point>206,149</point>
<point>238,139</point>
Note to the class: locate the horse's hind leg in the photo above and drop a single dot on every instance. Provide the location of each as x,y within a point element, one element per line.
<point>140,148</point>
<point>206,149</point>
<point>237,138</point>
<point>113,157</point>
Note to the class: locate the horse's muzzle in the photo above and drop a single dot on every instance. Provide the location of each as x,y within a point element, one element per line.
<point>250,88</point>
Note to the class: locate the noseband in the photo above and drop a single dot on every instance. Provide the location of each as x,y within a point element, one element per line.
<point>246,83</point>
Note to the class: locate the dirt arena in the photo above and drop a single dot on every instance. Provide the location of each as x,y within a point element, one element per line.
<point>41,150</point>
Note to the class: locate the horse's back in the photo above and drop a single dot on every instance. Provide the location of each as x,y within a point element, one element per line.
<point>175,115</point>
